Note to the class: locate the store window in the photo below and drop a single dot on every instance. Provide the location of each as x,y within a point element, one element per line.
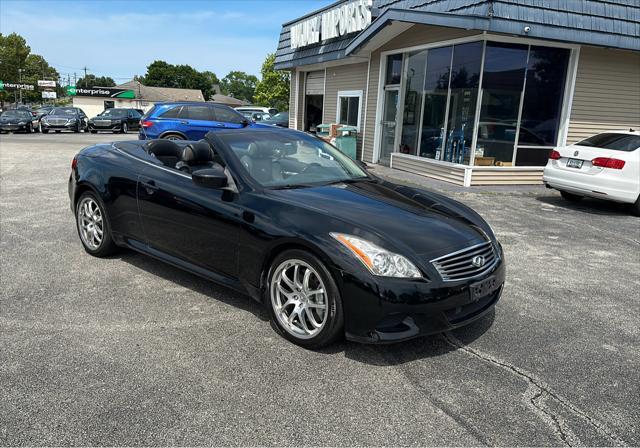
<point>349,103</point>
<point>463,94</point>
<point>394,69</point>
<point>502,82</point>
<point>542,105</point>
<point>413,102</point>
<point>436,92</point>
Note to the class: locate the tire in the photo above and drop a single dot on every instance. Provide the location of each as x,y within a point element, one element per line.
<point>40,127</point>
<point>173,137</point>
<point>570,196</point>
<point>93,131</point>
<point>77,129</point>
<point>635,207</point>
<point>88,209</point>
<point>318,318</point>
<point>57,131</point>
<point>44,131</point>
<point>124,129</point>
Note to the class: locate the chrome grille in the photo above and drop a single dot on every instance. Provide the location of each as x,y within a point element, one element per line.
<point>460,265</point>
<point>57,121</point>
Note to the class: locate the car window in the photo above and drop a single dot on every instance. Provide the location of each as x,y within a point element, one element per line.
<point>228,115</point>
<point>273,111</point>
<point>64,111</point>
<point>291,160</point>
<point>172,113</point>
<point>613,140</point>
<point>199,113</point>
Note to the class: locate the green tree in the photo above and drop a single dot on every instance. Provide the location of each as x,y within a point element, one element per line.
<point>273,88</point>
<point>95,81</point>
<point>239,85</point>
<point>163,74</point>
<point>13,55</point>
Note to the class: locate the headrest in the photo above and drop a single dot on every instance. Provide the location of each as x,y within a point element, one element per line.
<point>198,152</point>
<point>260,150</point>
<point>163,147</point>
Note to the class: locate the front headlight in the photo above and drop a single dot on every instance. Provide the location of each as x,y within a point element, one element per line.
<point>379,261</point>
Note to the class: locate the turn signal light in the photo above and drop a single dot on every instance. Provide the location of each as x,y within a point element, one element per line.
<point>146,124</point>
<point>555,155</point>
<point>608,162</point>
<point>74,163</point>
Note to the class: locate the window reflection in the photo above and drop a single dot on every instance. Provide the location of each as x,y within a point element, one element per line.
<point>394,69</point>
<point>413,102</point>
<point>436,88</point>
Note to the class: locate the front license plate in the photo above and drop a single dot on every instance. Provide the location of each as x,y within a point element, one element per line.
<point>574,163</point>
<point>484,288</point>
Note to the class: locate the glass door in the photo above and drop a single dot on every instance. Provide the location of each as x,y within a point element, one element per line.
<point>389,124</point>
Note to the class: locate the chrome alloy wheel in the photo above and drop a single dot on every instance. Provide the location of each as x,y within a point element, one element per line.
<point>299,299</point>
<point>90,223</point>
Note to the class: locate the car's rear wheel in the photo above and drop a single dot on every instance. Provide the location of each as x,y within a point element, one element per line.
<point>124,128</point>
<point>93,225</point>
<point>173,137</point>
<point>570,196</point>
<point>303,299</point>
<point>44,131</point>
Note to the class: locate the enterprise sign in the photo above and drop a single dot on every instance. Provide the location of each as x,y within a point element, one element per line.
<point>345,19</point>
<point>103,92</point>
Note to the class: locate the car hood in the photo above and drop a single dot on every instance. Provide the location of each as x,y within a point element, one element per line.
<point>425,223</point>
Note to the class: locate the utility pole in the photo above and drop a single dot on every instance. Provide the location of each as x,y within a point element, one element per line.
<point>85,75</point>
<point>75,79</point>
<point>20,72</point>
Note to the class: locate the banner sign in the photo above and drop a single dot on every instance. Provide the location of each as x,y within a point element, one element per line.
<point>45,83</point>
<point>16,86</point>
<point>342,20</point>
<point>102,92</point>
<point>49,95</point>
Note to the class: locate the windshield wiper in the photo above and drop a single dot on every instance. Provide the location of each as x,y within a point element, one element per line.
<point>352,180</point>
<point>291,186</point>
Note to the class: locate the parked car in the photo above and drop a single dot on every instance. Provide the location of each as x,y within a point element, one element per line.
<point>64,119</point>
<point>280,119</point>
<point>255,116</point>
<point>189,120</point>
<point>115,120</point>
<point>16,120</point>
<point>288,219</point>
<point>38,114</point>
<point>604,166</point>
<point>265,110</point>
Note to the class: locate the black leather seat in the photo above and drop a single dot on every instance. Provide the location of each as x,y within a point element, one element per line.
<point>261,163</point>
<point>195,156</point>
<point>166,151</point>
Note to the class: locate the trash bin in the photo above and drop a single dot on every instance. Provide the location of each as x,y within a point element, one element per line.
<point>346,140</point>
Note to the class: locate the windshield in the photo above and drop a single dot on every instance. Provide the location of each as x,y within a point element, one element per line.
<point>114,113</point>
<point>12,113</point>
<point>280,116</point>
<point>289,160</point>
<point>613,140</point>
<point>63,111</point>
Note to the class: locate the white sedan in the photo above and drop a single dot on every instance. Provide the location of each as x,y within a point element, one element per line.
<point>604,166</point>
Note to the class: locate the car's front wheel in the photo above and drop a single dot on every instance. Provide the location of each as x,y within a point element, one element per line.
<point>125,128</point>
<point>93,225</point>
<point>635,207</point>
<point>303,300</point>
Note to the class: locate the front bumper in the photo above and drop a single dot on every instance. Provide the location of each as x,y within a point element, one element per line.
<point>393,310</point>
<point>105,127</point>
<point>13,127</point>
<point>61,127</point>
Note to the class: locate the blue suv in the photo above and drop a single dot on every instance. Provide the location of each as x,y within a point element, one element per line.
<point>189,120</point>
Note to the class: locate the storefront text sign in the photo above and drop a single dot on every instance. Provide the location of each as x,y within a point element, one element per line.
<point>103,92</point>
<point>345,19</point>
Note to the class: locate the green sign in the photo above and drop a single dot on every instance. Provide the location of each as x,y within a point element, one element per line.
<point>71,90</point>
<point>1,86</point>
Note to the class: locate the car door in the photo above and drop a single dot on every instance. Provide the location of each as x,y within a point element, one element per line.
<point>192,223</point>
<point>227,118</point>
<point>133,119</point>
<point>198,120</point>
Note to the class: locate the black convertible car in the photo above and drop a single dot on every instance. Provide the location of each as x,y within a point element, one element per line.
<point>329,248</point>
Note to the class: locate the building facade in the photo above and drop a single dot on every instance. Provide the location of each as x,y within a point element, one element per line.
<point>472,92</point>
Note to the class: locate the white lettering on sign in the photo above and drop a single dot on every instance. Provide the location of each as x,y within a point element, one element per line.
<point>337,22</point>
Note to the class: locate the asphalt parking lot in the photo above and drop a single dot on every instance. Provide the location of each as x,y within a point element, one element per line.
<point>129,351</point>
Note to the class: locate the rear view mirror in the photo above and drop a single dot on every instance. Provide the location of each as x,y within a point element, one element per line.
<point>210,177</point>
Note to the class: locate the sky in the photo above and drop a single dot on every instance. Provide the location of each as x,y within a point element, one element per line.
<point>120,38</point>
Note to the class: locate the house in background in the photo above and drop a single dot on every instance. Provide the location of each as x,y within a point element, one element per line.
<point>468,91</point>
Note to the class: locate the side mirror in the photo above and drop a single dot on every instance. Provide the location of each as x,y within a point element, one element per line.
<point>244,123</point>
<point>210,177</point>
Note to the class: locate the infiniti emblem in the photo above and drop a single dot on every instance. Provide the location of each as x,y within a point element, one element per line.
<point>478,261</point>
<point>575,153</point>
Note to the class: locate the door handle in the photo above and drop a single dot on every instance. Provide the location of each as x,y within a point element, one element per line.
<point>150,186</point>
